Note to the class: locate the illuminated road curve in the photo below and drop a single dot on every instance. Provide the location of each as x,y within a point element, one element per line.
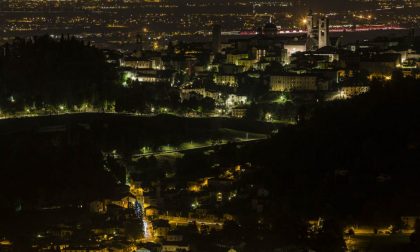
<point>5,117</point>
<point>207,146</point>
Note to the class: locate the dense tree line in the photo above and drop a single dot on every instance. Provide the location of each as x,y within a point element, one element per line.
<point>353,161</point>
<point>59,168</point>
<point>40,72</point>
<point>45,74</point>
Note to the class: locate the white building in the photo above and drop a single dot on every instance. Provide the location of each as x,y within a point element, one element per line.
<point>235,100</point>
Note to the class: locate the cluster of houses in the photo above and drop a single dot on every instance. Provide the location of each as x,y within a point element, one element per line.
<point>311,63</point>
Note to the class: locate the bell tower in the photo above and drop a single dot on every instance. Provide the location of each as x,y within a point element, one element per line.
<point>323,32</point>
<point>310,24</point>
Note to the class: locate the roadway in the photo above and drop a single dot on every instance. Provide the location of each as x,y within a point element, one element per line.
<point>202,147</point>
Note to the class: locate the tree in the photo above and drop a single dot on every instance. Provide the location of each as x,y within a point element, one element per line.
<point>275,68</point>
<point>42,72</point>
<point>415,236</point>
<point>254,112</point>
<point>192,165</point>
<point>134,229</point>
<point>208,104</point>
<point>330,237</point>
<point>117,169</point>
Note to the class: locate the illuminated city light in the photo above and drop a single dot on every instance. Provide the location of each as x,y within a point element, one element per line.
<point>242,91</point>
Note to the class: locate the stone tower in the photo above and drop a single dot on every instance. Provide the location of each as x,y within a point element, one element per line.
<point>323,32</point>
<point>310,24</point>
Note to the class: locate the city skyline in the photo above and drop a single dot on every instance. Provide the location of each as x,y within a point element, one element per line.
<point>209,126</point>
